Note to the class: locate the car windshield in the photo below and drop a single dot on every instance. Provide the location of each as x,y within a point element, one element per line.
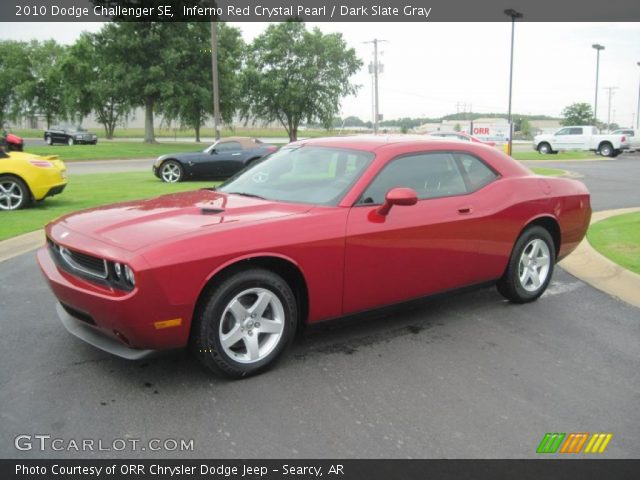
<point>315,175</point>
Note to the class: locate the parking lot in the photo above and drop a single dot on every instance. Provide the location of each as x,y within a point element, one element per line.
<point>469,376</point>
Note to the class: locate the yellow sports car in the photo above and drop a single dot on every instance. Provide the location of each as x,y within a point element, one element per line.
<point>25,177</point>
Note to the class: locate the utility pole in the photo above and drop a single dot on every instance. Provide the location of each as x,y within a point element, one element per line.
<point>611,91</point>
<point>598,47</point>
<point>375,69</point>
<point>214,74</point>
<point>638,109</point>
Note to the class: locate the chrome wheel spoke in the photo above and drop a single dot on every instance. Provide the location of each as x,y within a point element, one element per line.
<point>535,278</point>
<point>252,346</point>
<point>234,336</point>
<point>262,302</point>
<point>269,326</point>
<point>238,310</point>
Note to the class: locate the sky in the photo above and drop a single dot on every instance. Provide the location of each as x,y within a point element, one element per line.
<point>434,69</point>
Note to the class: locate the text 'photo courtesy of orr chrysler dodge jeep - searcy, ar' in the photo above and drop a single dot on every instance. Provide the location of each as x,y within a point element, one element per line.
<point>321,229</point>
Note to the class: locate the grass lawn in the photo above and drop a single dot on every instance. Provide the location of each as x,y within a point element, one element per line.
<point>558,157</point>
<point>114,150</point>
<point>86,191</point>
<point>618,239</point>
<point>549,172</point>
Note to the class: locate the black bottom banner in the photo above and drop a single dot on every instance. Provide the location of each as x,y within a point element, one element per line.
<point>326,469</point>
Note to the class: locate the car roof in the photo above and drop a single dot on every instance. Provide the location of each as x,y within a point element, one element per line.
<point>372,143</point>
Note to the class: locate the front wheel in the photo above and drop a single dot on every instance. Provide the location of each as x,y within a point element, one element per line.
<point>14,193</point>
<point>171,171</point>
<point>70,141</point>
<point>246,324</point>
<point>48,140</point>
<point>544,148</point>
<point>530,267</point>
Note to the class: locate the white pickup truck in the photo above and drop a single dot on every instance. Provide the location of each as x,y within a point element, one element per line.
<point>583,137</point>
<point>632,135</point>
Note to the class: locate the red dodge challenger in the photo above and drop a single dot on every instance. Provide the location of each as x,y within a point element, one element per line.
<point>322,229</point>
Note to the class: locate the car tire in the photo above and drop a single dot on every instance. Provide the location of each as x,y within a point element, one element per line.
<point>606,150</point>
<point>544,148</point>
<point>245,323</point>
<point>70,141</point>
<point>171,171</point>
<point>95,142</point>
<point>14,193</point>
<point>530,266</point>
<point>48,140</point>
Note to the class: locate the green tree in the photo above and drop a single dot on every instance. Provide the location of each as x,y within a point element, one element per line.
<point>294,75</point>
<point>43,89</point>
<point>577,114</point>
<point>98,83</point>
<point>193,101</point>
<point>14,69</point>
<point>147,51</point>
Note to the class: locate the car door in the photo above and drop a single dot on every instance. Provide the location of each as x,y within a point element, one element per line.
<point>561,139</point>
<point>215,162</point>
<point>438,244</point>
<point>577,140</point>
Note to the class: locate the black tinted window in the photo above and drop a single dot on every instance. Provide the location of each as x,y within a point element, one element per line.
<point>228,146</point>
<point>476,172</point>
<point>575,131</point>
<point>431,175</point>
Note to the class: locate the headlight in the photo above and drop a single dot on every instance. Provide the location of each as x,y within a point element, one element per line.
<point>118,270</point>
<point>129,276</point>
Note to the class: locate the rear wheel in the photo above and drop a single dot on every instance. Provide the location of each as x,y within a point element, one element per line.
<point>14,193</point>
<point>530,267</point>
<point>606,150</point>
<point>171,171</point>
<point>246,324</point>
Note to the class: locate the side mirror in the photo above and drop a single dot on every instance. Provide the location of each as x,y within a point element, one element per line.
<point>398,196</point>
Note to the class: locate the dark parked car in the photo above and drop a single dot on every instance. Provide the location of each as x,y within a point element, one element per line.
<point>224,158</point>
<point>69,134</point>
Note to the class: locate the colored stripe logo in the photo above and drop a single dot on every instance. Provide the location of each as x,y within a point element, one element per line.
<point>574,442</point>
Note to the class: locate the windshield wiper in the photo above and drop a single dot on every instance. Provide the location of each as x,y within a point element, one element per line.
<point>246,194</point>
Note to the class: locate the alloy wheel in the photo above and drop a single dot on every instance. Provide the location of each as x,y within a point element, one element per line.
<point>533,267</point>
<point>170,172</point>
<point>252,325</point>
<point>11,195</point>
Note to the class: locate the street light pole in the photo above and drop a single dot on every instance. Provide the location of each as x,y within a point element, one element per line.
<point>376,71</point>
<point>598,47</point>
<point>638,109</point>
<point>513,14</point>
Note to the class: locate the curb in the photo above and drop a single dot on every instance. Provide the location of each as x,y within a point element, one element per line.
<point>592,267</point>
<point>21,244</point>
<point>584,263</point>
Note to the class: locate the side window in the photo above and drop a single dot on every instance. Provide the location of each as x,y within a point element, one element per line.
<point>476,173</point>
<point>228,146</point>
<point>575,131</point>
<point>462,137</point>
<point>563,131</point>
<point>431,175</point>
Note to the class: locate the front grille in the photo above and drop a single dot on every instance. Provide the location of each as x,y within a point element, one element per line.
<point>82,316</point>
<point>78,262</point>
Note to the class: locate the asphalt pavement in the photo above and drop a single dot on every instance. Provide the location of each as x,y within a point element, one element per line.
<point>468,376</point>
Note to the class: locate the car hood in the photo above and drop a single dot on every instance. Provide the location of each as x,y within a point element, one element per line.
<point>137,224</point>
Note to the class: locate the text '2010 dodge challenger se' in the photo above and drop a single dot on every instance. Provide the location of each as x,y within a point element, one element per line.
<point>322,229</point>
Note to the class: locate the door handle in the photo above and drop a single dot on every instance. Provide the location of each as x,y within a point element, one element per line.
<point>465,210</point>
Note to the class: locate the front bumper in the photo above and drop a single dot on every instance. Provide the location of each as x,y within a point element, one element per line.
<point>126,324</point>
<point>94,337</point>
